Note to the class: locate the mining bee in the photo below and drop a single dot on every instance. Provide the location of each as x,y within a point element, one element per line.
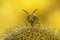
<point>31,33</point>
<point>31,18</point>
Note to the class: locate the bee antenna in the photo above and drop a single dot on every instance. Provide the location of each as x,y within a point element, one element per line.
<point>34,11</point>
<point>25,11</point>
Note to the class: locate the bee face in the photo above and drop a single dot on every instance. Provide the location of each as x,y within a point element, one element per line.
<point>32,19</point>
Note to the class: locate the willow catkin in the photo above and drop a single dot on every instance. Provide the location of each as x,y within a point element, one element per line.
<point>31,33</point>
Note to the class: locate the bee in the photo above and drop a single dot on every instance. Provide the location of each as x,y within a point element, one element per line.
<point>31,33</point>
<point>31,18</point>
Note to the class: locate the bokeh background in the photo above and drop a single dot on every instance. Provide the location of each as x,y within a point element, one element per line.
<point>11,13</point>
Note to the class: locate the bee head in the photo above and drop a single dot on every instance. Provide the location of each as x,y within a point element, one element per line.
<point>31,18</point>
